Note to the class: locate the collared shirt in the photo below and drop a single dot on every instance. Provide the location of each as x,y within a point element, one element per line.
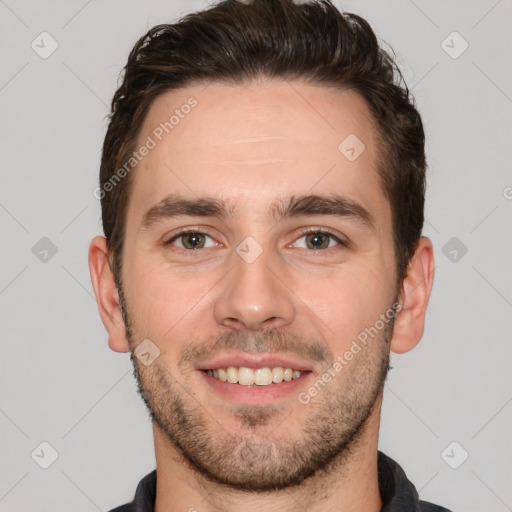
<point>398,494</point>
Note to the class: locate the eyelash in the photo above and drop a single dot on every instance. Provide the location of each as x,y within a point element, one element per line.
<point>305,231</point>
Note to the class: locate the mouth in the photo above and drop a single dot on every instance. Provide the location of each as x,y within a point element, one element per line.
<point>255,379</point>
<point>245,376</point>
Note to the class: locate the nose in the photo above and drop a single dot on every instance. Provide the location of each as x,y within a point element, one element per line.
<point>254,296</point>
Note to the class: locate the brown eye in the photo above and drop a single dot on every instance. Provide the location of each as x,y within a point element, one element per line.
<point>193,240</point>
<point>313,239</point>
<point>317,241</point>
<point>189,240</point>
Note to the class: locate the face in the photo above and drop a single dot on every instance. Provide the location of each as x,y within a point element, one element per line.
<point>286,259</point>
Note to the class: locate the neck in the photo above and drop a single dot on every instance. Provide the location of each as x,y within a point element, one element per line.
<point>348,484</point>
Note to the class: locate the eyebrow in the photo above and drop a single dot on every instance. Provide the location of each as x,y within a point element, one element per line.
<point>307,205</point>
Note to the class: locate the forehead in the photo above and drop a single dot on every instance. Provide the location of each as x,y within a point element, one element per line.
<point>248,144</point>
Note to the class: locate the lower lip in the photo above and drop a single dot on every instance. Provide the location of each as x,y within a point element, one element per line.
<point>256,395</point>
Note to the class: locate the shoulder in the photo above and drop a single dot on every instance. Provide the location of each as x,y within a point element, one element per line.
<point>123,508</point>
<point>398,494</point>
<point>429,507</point>
<point>144,499</point>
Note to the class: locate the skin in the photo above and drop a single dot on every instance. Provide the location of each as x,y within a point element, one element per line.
<point>249,145</point>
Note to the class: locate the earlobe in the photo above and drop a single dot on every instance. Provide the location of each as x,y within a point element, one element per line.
<point>107,295</point>
<point>414,297</point>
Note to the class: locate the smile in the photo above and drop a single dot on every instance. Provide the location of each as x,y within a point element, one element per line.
<point>254,376</point>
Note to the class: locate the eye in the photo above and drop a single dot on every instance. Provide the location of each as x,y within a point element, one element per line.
<point>192,240</point>
<point>315,240</point>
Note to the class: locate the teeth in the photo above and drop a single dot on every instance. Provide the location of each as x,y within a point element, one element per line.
<point>259,377</point>
<point>263,376</point>
<point>232,375</point>
<point>246,376</point>
<point>277,374</point>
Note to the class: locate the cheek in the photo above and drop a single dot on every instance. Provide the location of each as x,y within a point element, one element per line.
<point>345,304</point>
<point>167,303</point>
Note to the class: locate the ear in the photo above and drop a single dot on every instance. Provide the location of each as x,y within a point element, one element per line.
<point>107,295</point>
<point>414,296</point>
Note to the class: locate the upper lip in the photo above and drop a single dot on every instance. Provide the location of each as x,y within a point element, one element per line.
<point>255,361</point>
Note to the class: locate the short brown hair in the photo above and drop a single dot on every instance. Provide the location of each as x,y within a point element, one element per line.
<point>236,41</point>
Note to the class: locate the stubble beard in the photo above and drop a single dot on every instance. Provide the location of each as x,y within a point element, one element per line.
<point>259,456</point>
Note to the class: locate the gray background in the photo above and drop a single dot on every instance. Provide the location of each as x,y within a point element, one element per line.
<point>60,383</point>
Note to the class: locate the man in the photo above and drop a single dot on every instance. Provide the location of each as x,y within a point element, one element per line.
<point>262,187</point>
